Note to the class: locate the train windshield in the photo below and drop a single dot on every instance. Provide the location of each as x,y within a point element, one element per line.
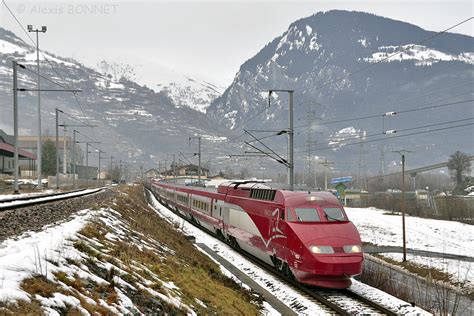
<point>334,214</point>
<point>307,215</point>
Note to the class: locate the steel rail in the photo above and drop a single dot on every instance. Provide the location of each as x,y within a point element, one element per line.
<point>57,197</point>
<point>309,291</point>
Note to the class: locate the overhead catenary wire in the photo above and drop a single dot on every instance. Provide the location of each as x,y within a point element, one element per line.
<point>44,56</point>
<point>393,137</point>
<point>389,56</point>
<point>44,77</point>
<point>397,112</point>
<point>398,131</point>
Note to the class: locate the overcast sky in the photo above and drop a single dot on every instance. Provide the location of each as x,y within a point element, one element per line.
<point>209,40</point>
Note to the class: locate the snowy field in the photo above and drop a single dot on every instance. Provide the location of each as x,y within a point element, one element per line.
<point>379,228</point>
<point>301,304</point>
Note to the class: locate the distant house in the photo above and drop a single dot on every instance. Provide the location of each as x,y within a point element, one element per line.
<point>186,171</point>
<point>7,150</point>
<point>29,143</point>
<point>152,173</point>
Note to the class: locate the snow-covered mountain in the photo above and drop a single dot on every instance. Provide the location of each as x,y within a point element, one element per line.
<point>133,121</point>
<point>183,89</point>
<point>193,93</point>
<point>401,70</point>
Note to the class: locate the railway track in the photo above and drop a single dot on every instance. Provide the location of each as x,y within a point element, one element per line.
<point>14,203</point>
<point>342,302</point>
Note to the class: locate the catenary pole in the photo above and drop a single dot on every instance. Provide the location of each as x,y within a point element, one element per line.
<point>15,126</point>
<point>74,158</point>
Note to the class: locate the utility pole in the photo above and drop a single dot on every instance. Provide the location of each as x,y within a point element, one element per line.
<point>120,170</point>
<point>111,162</point>
<point>64,125</point>
<point>15,125</point>
<point>174,167</point>
<point>310,120</point>
<point>74,158</point>
<point>42,30</point>
<point>64,150</point>
<point>87,165</point>
<point>199,157</point>
<point>57,145</point>
<point>326,163</point>
<point>87,158</point>
<point>290,165</point>
<point>402,153</point>
<point>362,165</point>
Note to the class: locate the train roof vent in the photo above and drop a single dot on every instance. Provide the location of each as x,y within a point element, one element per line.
<point>263,194</point>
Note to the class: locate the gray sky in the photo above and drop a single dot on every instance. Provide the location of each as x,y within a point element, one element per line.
<point>207,39</point>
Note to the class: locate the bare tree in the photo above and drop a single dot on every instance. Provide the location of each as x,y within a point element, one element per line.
<point>459,164</point>
<point>116,71</point>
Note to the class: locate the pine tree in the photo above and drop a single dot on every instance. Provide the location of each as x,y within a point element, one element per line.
<point>48,157</point>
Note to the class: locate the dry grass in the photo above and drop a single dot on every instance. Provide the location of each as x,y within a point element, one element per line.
<point>418,269</point>
<point>39,285</point>
<point>195,275</point>
<point>193,272</point>
<point>21,307</point>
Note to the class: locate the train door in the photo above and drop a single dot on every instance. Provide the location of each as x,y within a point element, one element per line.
<point>217,214</point>
<point>225,219</point>
<point>278,233</point>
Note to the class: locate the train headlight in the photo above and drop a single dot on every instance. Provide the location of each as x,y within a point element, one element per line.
<point>321,249</point>
<point>352,249</point>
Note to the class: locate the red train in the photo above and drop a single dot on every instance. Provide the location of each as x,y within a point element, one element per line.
<point>306,235</point>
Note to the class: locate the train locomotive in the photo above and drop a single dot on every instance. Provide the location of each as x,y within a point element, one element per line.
<point>305,235</point>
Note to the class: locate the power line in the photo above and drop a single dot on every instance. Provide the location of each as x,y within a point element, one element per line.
<point>44,77</point>
<point>398,112</point>
<point>389,56</point>
<point>398,136</point>
<point>44,56</point>
<point>402,130</point>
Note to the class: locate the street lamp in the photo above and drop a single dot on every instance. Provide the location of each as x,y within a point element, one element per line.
<point>37,31</point>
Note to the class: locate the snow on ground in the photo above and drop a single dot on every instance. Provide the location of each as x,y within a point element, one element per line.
<point>286,294</point>
<point>393,303</point>
<point>461,271</point>
<point>33,254</point>
<point>10,48</point>
<point>21,195</point>
<point>422,55</point>
<point>20,258</point>
<point>47,198</point>
<point>378,227</point>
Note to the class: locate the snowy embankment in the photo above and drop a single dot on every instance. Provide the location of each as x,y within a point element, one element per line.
<point>116,259</point>
<point>383,228</point>
<point>299,303</point>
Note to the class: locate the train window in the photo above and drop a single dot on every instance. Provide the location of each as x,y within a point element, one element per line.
<point>289,215</point>
<point>334,214</point>
<point>307,215</point>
